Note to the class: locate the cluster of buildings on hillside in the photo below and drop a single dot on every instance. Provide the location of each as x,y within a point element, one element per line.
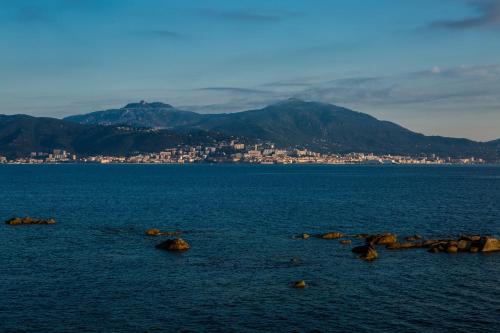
<point>236,152</point>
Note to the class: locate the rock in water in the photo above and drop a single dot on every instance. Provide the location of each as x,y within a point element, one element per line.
<point>29,220</point>
<point>153,232</point>
<point>452,248</point>
<point>305,236</point>
<point>300,284</point>
<point>158,232</point>
<point>332,235</point>
<point>491,244</point>
<point>367,252</point>
<point>464,245</point>
<point>403,246</point>
<point>345,242</point>
<point>177,244</point>
<point>371,254</point>
<point>384,239</point>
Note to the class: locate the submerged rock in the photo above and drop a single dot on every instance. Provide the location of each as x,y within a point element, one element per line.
<point>300,284</point>
<point>403,246</point>
<point>177,244</point>
<point>29,220</point>
<point>413,238</point>
<point>332,235</point>
<point>345,241</point>
<point>157,232</point>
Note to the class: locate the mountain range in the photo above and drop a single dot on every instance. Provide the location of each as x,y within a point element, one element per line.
<point>149,127</point>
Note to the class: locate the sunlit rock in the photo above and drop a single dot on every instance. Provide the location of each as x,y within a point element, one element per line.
<point>300,284</point>
<point>332,235</point>
<point>177,244</point>
<point>491,244</point>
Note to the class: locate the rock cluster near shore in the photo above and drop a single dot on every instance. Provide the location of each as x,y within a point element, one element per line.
<point>28,220</point>
<point>472,244</point>
<point>368,251</point>
<point>176,244</point>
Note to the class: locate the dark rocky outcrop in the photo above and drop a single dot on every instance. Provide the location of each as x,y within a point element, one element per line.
<point>371,254</point>
<point>29,220</point>
<point>177,244</point>
<point>366,252</point>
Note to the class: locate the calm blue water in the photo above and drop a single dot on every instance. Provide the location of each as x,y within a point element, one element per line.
<point>96,271</point>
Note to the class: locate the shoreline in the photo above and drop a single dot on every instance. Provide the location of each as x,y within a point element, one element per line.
<point>265,164</point>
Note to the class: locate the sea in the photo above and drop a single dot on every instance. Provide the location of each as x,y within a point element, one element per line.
<point>97,271</point>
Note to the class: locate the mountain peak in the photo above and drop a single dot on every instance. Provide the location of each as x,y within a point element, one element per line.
<point>143,104</point>
<point>292,101</point>
<point>300,103</point>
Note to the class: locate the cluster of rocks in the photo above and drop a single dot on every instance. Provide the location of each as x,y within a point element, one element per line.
<point>28,220</point>
<point>368,251</point>
<point>472,244</point>
<point>175,244</point>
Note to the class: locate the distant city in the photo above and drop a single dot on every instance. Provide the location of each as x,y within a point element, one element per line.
<point>236,152</point>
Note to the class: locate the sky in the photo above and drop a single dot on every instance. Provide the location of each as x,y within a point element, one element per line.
<point>431,66</point>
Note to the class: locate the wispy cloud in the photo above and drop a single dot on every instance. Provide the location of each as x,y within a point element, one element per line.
<point>234,90</point>
<point>452,89</point>
<point>488,16</point>
<point>248,15</point>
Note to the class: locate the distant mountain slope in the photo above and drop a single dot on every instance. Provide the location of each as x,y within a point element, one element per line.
<point>21,134</point>
<point>142,114</point>
<point>327,127</point>
<point>295,123</point>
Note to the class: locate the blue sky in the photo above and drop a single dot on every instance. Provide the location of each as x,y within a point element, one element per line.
<point>432,66</point>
